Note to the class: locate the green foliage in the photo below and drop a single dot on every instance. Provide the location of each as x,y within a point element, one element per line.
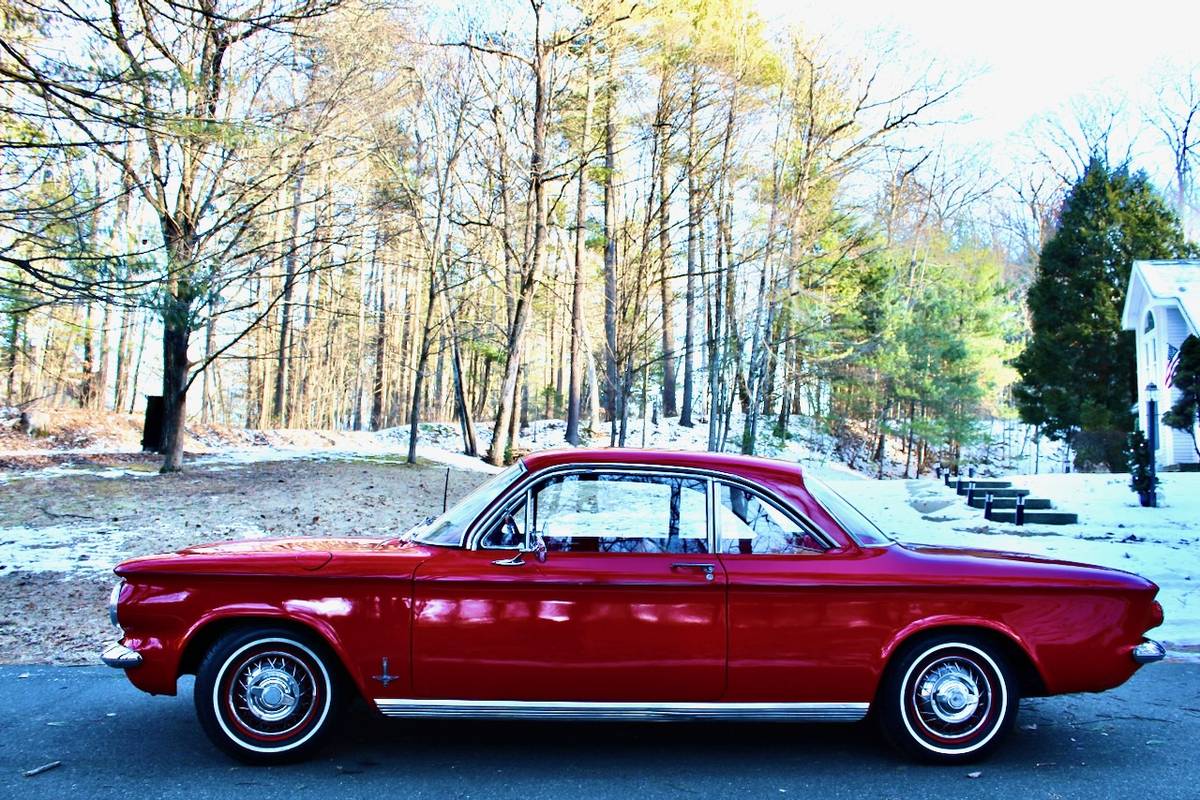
<point>1137,458</point>
<point>933,329</point>
<point>491,351</point>
<point>1184,414</point>
<point>1077,370</point>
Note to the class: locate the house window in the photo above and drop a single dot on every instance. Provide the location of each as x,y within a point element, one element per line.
<point>1149,322</point>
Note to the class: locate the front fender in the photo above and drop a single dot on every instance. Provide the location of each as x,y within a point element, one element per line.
<point>361,623</point>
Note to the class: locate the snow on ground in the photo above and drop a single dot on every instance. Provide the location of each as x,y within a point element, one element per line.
<point>388,444</point>
<point>1162,544</point>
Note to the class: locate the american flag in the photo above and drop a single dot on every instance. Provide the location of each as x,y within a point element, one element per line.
<point>1172,364</point>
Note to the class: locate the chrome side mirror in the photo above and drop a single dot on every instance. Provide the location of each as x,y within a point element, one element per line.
<point>510,525</point>
<point>539,548</point>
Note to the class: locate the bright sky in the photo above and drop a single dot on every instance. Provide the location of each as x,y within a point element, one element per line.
<point>1033,55</point>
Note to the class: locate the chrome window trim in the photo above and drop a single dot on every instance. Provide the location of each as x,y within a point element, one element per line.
<point>782,507</point>
<point>645,712</point>
<point>475,530</point>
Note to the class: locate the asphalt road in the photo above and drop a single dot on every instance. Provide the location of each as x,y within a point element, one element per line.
<point>1138,741</point>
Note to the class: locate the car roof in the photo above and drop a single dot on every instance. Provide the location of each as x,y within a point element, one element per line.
<point>744,466</point>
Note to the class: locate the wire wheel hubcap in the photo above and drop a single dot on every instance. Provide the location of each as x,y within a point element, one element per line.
<point>952,697</point>
<point>272,694</point>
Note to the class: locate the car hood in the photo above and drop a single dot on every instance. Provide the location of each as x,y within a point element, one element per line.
<point>299,544</point>
<point>277,556</point>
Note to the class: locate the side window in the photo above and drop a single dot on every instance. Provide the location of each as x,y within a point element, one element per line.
<point>621,513</point>
<point>751,524</point>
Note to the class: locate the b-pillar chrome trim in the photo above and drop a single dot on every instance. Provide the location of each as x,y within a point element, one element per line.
<point>634,712</point>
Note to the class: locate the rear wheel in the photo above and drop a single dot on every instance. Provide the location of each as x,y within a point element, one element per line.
<point>267,695</point>
<point>948,699</point>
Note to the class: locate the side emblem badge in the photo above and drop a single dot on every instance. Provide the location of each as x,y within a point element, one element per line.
<point>385,678</point>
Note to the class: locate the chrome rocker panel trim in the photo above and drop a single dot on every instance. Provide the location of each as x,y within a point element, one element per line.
<point>1148,652</point>
<point>639,712</point>
<point>119,656</point>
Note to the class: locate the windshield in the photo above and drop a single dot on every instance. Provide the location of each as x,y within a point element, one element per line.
<point>448,529</point>
<point>858,526</point>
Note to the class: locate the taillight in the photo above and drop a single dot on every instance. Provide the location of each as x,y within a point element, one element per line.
<point>1156,615</point>
<point>113,599</point>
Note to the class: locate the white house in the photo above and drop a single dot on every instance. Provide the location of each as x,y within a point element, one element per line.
<point>1162,308</point>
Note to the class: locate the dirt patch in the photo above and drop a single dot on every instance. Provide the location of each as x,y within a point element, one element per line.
<point>63,428</point>
<point>63,533</point>
<point>54,618</point>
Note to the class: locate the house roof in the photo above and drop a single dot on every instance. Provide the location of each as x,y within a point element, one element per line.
<point>1163,283</point>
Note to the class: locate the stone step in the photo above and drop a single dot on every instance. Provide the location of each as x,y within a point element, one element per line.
<point>980,484</point>
<point>1038,517</point>
<point>995,492</point>
<point>1009,502</point>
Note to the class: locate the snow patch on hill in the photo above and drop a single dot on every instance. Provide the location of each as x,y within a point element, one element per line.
<point>1162,544</point>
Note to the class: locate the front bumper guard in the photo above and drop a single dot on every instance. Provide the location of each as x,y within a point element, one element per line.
<point>119,656</point>
<point>1148,652</point>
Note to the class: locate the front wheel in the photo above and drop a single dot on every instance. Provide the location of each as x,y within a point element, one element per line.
<point>948,699</point>
<point>267,695</point>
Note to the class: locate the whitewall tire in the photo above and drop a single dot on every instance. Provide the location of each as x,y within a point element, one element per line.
<point>267,695</point>
<point>948,698</point>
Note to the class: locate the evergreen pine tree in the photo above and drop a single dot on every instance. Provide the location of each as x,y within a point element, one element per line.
<point>1078,369</point>
<point>1186,410</point>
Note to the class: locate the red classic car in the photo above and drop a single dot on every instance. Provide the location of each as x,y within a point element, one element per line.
<point>633,585</point>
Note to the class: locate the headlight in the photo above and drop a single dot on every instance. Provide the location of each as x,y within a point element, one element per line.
<point>113,599</point>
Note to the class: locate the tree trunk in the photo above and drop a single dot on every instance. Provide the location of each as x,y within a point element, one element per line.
<point>670,408</point>
<point>210,343</point>
<point>693,231</point>
<point>414,414</point>
<point>177,302</point>
<point>124,352</point>
<point>377,391</point>
<point>462,407</point>
<point>14,328</point>
<point>137,367</point>
<point>516,340</point>
<point>610,263</point>
<point>289,279</point>
<point>100,375</point>
<point>575,383</point>
<point>175,373</point>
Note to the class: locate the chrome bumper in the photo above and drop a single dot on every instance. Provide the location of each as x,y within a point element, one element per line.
<point>1148,652</point>
<point>121,657</point>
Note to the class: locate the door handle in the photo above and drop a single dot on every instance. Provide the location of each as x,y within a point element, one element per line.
<point>515,561</point>
<point>708,569</point>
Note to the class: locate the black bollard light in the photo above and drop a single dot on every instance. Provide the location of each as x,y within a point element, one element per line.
<point>1152,438</point>
<point>1019,516</point>
<point>970,492</point>
<point>987,507</point>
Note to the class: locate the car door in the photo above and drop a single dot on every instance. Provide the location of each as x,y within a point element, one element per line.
<point>802,619</point>
<point>627,605</point>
